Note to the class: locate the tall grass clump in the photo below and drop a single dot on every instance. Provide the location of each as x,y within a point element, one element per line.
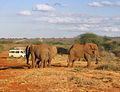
<point>109,67</point>
<point>82,81</point>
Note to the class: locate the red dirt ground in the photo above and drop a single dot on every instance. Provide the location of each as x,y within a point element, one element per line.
<point>16,77</point>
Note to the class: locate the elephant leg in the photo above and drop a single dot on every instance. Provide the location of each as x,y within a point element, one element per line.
<point>97,56</point>
<point>49,62</point>
<point>27,60</point>
<point>37,64</point>
<point>88,59</point>
<point>42,64</point>
<point>69,63</point>
<point>73,63</point>
<point>96,61</point>
<point>45,64</point>
<point>33,60</point>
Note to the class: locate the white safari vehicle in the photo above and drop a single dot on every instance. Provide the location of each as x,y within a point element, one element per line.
<point>16,53</point>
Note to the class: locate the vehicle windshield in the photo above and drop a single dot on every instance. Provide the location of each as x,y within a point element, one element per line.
<point>16,52</point>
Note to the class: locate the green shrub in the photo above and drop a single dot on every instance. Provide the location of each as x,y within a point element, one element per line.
<point>62,50</point>
<point>110,46</point>
<point>89,38</point>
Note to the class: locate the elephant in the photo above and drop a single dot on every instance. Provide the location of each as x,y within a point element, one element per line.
<point>78,51</point>
<point>43,52</point>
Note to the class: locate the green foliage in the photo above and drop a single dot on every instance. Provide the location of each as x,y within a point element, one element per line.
<point>37,42</point>
<point>90,38</point>
<point>77,41</point>
<point>110,46</point>
<point>62,50</point>
<point>104,43</point>
<point>106,39</point>
<point>5,42</point>
<point>56,43</point>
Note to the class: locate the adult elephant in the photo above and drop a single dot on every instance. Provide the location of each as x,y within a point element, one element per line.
<point>86,51</point>
<point>43,52</point>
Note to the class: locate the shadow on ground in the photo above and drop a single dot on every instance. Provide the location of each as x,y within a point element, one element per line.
<point>14,67</point>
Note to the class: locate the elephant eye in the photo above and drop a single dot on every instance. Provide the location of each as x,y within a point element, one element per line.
<point>93,52</point>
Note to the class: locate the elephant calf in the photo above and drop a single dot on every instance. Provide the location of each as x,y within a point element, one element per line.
<point>86,51</point>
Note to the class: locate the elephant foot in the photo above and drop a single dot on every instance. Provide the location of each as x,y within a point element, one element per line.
<point>29,67</point>
<point>68,66</point>
<point>27,63</point>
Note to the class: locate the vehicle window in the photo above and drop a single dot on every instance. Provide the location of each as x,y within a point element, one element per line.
<point>12,52</point>
<point>17,51</point>
<point>21,51</point>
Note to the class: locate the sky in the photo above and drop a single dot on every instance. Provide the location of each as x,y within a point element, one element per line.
<point>59,18</point>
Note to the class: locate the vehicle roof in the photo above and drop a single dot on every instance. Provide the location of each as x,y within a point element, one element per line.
<point>16,50</point>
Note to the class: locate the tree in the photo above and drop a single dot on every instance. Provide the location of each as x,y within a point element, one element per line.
<point>90,38</point>
<point>110,46</point>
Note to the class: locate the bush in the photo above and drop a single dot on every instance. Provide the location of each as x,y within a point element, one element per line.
<point>117,53</point>
<point>107,56</point>
<point>110,46</point>
<point>105,43</point>
<point>62,50</point>
<point>89,38</point>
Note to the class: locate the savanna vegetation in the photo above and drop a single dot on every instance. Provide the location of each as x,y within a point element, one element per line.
<point>104,77</point>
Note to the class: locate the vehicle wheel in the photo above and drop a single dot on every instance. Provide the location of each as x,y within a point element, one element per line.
<point>12,56</point>
<point>21,56</point>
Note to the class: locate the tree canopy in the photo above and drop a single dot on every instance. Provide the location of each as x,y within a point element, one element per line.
<point>90,38</point>
<point>103,42</point>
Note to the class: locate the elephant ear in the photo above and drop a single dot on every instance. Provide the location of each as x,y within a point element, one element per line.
<point>27,50</point>
<point>90,48</point>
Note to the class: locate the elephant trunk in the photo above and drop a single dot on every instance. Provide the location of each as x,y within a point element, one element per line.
<point>97,56</point>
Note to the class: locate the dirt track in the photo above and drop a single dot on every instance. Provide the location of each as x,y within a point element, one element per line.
<point>16,77</point>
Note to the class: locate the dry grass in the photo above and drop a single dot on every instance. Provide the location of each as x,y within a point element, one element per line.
<point>57,78</point>
<point>81,81</point>
<point>109,66</point>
